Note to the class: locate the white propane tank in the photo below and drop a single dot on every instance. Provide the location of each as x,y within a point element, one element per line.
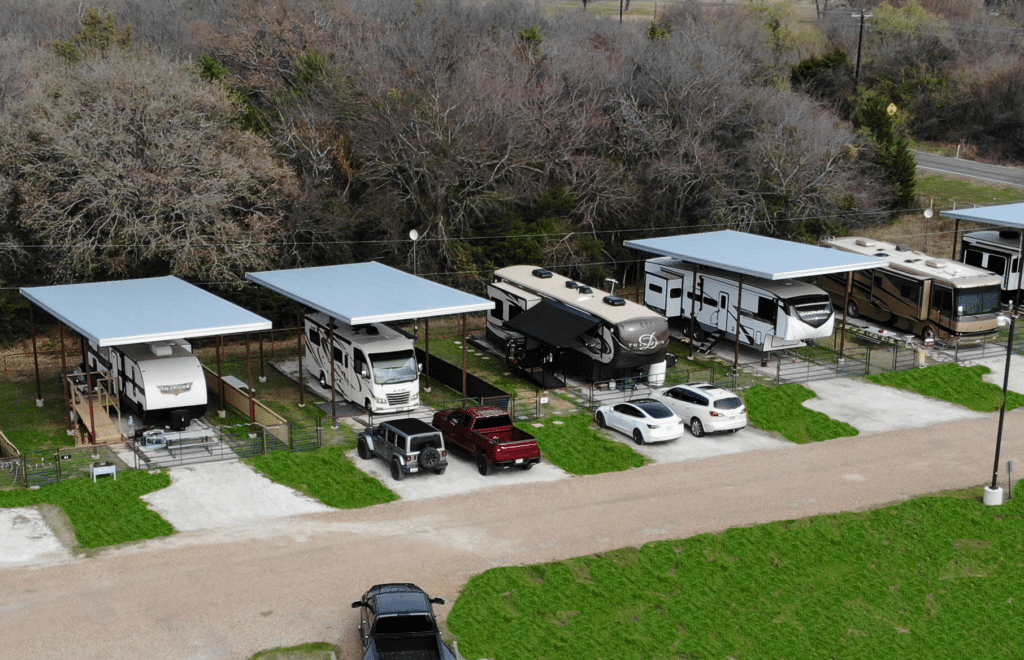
<point>656,374</point>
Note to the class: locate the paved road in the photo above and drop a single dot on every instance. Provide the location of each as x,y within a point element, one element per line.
<point>934,164</point>
<point>229,592</point>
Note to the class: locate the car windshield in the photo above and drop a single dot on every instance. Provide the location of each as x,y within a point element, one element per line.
<point>394,367</point>
<point>732,403</point>
<point>654,409</point>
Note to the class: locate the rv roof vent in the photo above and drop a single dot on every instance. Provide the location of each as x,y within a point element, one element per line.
<point>1009,233</point>
<point>585,289</point>
<point>160,348</point>
<point>935,263</point>
<point>542,273</point>
<point>863,242</point>
<point>902,248</point>
<point>572,284</point>
<point>614,301</point>
<point>881,254</point>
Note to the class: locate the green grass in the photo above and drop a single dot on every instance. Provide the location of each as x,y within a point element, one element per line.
<point>779,409</point>
<point>28,426</point>
<point>952,382</point>
<point>311,651</point>
<point>326,474</point>
<point>578,449</point>
<point>965,192</point>
<point>936,577</point>
<point>107,512</point>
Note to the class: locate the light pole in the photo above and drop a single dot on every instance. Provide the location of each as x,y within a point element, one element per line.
<point>860,40</point>
<point>993,493</point>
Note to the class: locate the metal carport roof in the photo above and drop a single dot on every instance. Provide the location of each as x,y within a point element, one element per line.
<point>1004,215</point>
<point>369,293</point>
<point>759,256</point>
<point>143,310</point>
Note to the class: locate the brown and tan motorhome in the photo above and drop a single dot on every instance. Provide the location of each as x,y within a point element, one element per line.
<point>926,296</point>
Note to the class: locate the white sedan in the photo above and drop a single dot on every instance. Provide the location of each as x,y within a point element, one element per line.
<point>644,420</point>
<point>706,407</point>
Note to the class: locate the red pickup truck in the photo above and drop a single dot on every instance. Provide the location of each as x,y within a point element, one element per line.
<point>488,434</point>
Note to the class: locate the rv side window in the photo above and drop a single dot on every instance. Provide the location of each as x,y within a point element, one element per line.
<point>996,264</point>
<point>314,337</point>
<point>878,280</point>
<point>675,293</point>
<point>942,300</point>
<point>973,258</point>
<point>359,362</point>
<point>499,309</point>
<point>655,288</point>
<point>339,357</point>
<point>1015,267</point>
<point>766,308</point>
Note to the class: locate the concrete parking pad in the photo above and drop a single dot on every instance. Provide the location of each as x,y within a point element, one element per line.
<point>25,538</point>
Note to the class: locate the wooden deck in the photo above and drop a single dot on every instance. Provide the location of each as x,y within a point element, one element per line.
<point>107,431</point>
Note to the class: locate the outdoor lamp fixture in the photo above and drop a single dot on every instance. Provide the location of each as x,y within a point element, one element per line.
<point>414,236</point>
<point>613,282</point>
<point>994,494</point>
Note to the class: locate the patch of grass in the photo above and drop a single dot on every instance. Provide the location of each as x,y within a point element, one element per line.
<point>311,651</point>
<point>326,474</point>
<point>967,192</point>
<point>936,577</point>
<point>779,409</point>
<point>952,382</point>
<point>107,512</point>
<point>578,449</point>
<point>28,426</point>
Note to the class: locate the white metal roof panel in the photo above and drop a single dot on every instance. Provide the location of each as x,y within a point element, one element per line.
<point>369,293</point>
<point>143,310</point>
<point>1005,215</point>
<point>759,256</point>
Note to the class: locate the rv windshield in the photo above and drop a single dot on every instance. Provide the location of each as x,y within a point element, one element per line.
<point>394,367</point>
<point>983,300</point>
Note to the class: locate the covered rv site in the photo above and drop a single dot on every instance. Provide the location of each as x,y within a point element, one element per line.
<point>752,262</point>
<point>134,319</point>
<point>348,303</point>
<point>996,249</point>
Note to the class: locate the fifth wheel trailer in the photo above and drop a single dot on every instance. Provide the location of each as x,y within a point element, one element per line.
<point>998,251</point>
<point>374,365</point>
<point>162,382</point>
<point>776,314</point>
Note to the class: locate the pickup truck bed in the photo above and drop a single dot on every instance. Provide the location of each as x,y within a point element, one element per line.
<point>407,648</point>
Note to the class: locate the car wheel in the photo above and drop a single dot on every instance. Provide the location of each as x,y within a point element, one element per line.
<point>525,466</point>
<point>323,380</point>
<point>429,458</point>
<point>396,470</point>
<point>482,465</point>
<point>696,427</point>
<point>852,310</point>
<point>638,437</point>
<point>440,470</point>
<point>364,451</point>
<point>601,421</point>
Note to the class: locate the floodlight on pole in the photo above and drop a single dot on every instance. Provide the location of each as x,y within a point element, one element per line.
<point>613,282</point>
<point>414,236</point>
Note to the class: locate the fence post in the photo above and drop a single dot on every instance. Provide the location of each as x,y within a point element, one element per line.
<point>867,363</point>
<point>537,415</point>
<point>264,429</point>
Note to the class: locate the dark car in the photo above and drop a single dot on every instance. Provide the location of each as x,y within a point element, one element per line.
<point>397,622</point>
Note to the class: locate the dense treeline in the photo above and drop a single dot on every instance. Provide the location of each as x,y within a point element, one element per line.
<point>210,137</point>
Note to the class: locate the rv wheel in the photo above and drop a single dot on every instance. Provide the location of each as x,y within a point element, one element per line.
<point>852,310</point>
<point>698,334</point>
<point>928,334</point>
<point>323,380</point>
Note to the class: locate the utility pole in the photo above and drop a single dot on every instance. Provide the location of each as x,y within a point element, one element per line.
<point>860,40</point>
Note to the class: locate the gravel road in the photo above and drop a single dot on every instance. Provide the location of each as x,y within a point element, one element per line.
<point>229,591</point>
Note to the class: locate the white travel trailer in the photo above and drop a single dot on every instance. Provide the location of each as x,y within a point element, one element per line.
<point>599,336</point>
<point>777,314</point>
<point>998,251</point>
<point>374,365</point>
<point>162,382</point>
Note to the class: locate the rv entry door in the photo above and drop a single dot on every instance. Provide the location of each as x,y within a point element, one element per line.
<point>724,312</point>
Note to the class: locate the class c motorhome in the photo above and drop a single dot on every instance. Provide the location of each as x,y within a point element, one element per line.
<point>374,365</point>
<point>162,382</point>
<point>776,314</point>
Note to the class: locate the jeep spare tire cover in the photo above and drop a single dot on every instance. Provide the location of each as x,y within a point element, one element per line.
<point>429,457</point>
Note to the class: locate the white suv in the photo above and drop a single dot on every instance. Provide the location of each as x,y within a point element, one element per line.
<point>707,408</point>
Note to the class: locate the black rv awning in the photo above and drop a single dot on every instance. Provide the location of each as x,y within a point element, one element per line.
<point>554,324</point>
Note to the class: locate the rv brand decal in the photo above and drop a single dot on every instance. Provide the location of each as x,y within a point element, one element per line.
<point>175,390</point>
<point>648,341</point>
